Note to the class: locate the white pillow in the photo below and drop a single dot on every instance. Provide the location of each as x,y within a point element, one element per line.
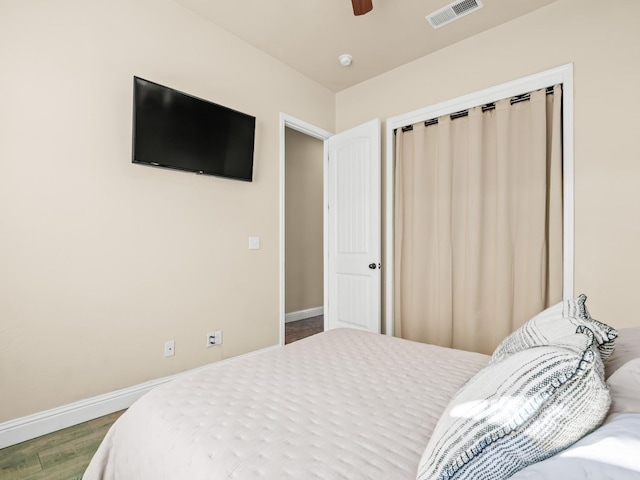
<point>624,387</point>
<point>627,348</point>
<point>555,323</point>
<point>610,452</point>
<point>518,411</point>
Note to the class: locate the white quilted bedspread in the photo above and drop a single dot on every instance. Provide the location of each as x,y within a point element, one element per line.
<point>342,404</point>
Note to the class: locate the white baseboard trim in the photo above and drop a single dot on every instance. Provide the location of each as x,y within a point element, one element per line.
<point>303,314</point>
<point>41,423</point>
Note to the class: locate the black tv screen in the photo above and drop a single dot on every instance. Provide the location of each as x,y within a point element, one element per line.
<point>174,130</point>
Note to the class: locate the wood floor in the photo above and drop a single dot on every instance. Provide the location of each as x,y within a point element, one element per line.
<point>303,328</point>
<point>65,455</point>
<point>62,455</point>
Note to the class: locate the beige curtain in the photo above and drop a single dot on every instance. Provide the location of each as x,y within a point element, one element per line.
<point>478,223</point>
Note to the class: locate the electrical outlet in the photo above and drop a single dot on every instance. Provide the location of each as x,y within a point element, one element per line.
<point>214,338</point>
<point>169,348</point>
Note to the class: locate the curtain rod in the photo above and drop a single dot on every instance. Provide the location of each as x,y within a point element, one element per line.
<point>485,108</point>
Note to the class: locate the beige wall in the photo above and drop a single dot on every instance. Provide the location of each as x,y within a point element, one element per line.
<point>303,222</point>
<point>101,260</point>
<point>601,40</point>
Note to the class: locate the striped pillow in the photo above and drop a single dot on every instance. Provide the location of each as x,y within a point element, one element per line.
<point>554,323</point>
<point>518,411</point>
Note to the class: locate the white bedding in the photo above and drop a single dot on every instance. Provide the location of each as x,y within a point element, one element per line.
<point>343,404</point>
<point>610,453</point>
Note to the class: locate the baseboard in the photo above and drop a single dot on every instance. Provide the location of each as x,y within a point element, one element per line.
<point>303,314</point>
<point>41,423</point>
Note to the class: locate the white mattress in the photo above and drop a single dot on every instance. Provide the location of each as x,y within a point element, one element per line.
<point>342,404</point>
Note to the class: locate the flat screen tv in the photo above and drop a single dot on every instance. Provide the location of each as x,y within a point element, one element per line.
<point>174,130</point>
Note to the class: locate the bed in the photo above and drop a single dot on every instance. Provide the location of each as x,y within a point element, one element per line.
<point>343,404</point>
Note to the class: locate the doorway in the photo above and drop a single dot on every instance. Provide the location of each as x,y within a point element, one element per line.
<point>351,227</point>
<point>307,135</point>
<point>304,265</point>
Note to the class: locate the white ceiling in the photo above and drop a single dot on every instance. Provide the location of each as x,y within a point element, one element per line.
<point>309,35</point>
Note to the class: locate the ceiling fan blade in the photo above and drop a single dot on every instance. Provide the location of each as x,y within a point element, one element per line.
<point>360,7</point>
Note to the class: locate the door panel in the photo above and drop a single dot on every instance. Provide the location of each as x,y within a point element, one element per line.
<point>354,228</point>
<point>353,303</point>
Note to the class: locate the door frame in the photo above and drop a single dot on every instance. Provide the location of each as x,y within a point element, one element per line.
<point>288,121</point>
<point>562,74</point>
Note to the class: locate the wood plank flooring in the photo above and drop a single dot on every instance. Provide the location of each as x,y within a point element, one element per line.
<point>303,328</point>
<point>65,455</point>
<point>62,455</point>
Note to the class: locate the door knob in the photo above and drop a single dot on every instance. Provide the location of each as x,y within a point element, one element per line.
<point>372,266</point>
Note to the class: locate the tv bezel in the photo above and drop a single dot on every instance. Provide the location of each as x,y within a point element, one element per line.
<point>184,169</point>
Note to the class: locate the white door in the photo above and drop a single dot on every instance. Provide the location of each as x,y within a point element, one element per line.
<point>354,236</point>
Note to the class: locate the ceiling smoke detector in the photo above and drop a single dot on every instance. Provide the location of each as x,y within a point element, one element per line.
<point>453,12</point>
<point>345,59</point>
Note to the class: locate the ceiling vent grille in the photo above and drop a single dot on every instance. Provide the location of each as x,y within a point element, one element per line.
<point>452,12</point>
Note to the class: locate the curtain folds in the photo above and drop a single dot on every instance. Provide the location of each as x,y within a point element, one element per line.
<point>478,222</point>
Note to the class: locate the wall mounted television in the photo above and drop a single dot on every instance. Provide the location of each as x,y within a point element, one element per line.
<point>175,130</point>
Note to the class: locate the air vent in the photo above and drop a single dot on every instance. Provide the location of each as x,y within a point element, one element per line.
<point>452,12</point>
